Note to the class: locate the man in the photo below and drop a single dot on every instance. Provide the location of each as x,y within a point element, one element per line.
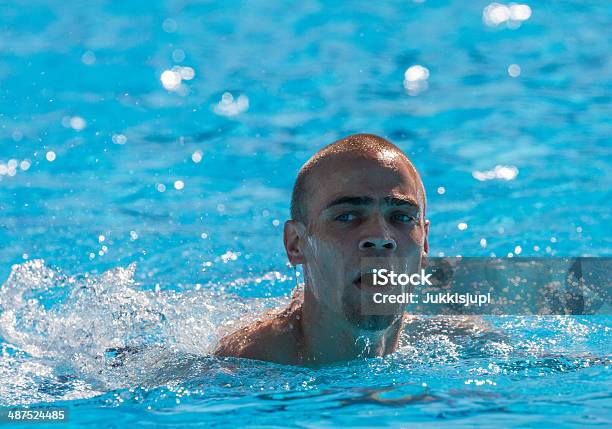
<point>359,197</point>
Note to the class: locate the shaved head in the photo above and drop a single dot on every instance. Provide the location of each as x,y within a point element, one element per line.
<point>356,146</point>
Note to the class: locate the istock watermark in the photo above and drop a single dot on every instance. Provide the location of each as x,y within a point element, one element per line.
<point>486,285</point>
<point>441,298</point>
<point>384,277</point>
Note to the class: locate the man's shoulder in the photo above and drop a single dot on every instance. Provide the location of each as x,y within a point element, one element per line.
<point>272,339</point>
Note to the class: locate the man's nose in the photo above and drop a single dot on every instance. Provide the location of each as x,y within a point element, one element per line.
<point>372,243</point>
<point>377,235</point>
<point>377,243</point>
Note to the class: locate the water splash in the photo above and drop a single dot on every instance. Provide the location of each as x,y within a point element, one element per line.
<point>102,332</point>
<point>104,339</point>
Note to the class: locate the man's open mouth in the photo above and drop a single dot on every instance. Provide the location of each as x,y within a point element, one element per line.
<point>365,279</point>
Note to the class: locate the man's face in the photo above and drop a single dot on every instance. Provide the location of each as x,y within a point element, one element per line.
<point>361,208</point>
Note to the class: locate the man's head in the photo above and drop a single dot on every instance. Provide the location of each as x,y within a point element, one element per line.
<point>358,197</point>
<point>356,146</point>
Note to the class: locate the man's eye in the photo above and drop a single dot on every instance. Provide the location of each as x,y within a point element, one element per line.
<point>346,217</point>
<point>401,217</point>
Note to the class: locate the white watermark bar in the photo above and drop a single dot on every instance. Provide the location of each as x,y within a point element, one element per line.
<point>486,286</point>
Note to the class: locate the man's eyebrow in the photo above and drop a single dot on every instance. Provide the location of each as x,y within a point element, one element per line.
<point>401,201</point>
<point>365,201</point>
<point>354,201</point>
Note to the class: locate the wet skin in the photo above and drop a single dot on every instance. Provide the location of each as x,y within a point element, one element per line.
<point>363,208</point>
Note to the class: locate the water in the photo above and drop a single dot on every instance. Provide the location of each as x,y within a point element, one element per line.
<point>157,204</point>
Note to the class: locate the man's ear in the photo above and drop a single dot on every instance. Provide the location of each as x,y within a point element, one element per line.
<point>293,238</point>
<point>425,243</point>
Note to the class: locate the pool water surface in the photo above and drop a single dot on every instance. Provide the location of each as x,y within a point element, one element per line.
<point>147,156</point>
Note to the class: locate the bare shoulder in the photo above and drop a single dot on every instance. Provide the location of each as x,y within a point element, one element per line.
<point>273,338</point>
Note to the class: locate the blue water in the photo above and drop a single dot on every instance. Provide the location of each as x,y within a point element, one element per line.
<point>157,204</point>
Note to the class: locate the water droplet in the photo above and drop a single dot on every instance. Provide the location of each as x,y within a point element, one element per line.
<point>88,58</point>
<point>514,70</point>
<point>178,55</point>
<point>119,139</point>
<point>416,73</point>
<point>171,80</point>
<point>230,107</point>
<point>187,73</point>
<point>77,123</point>
<point>196,156</point>
<point>25,165</point>
<point>520,12</point>
<point>513,15</point>
<point>502,172</point>
<point>169,25</point>
<point>415,79</point>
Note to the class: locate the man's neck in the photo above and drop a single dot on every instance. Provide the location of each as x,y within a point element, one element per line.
<point>328,337</point>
